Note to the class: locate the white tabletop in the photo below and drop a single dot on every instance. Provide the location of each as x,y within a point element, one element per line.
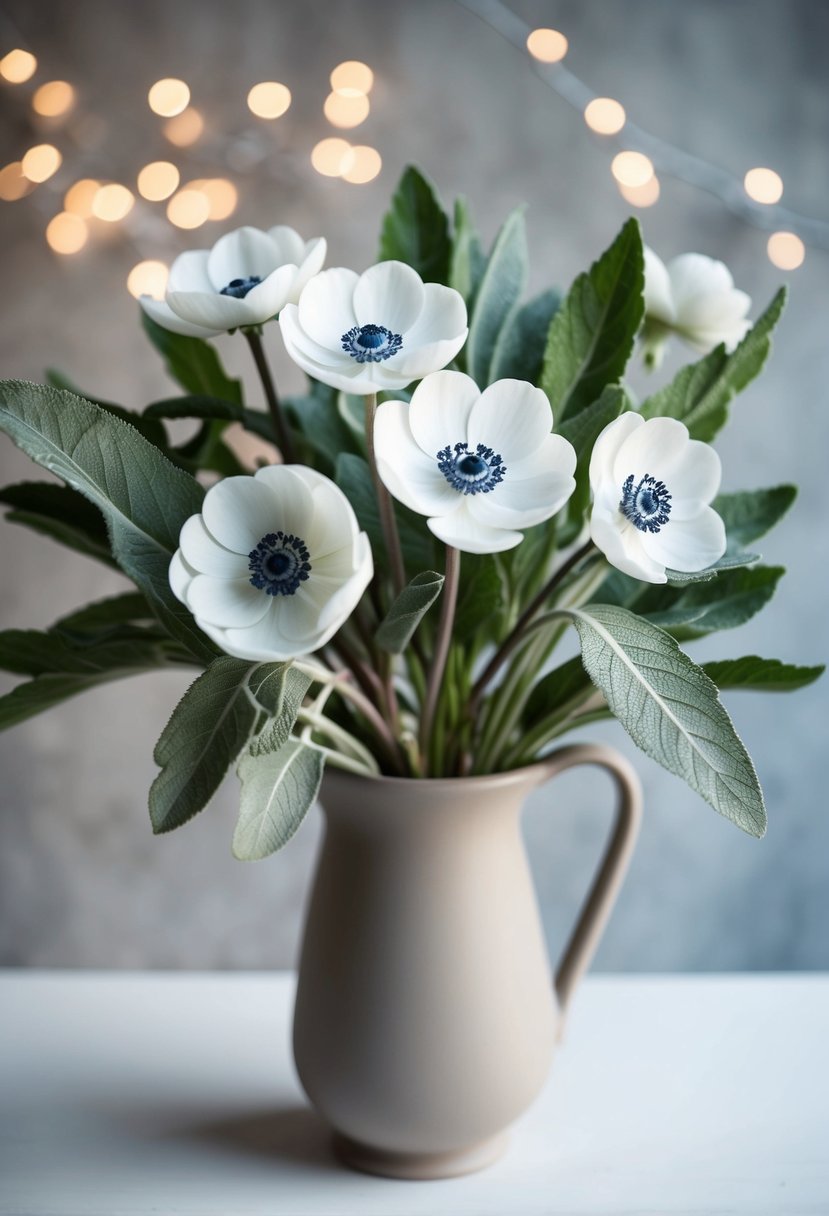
<point>127,1094</point>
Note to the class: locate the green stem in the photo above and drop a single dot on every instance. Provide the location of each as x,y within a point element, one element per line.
<point>322,675</point>
<point>388,521</point>
<point>342,738</point>
<point>280,422</point>
<point>442,640</point>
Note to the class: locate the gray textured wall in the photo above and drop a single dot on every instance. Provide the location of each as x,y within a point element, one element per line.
<point>82,881</point>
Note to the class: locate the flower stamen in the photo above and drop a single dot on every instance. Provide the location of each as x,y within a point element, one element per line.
<point>239,288</point>
<point>468,472</point>
<point>279,563</point>
<point>647,505</point>
<point>371,343</point>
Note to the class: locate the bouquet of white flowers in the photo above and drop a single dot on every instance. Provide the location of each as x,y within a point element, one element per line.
<point>466,478</point>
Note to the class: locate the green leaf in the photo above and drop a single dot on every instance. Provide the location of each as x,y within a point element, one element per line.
<point>60,513</point>
<point>731,599</point>
<point>146,427</point>
<point>143,497</point>
<point>593,332</point>
<point>354,479</point>
<point>208,729</point>
<point>468,260</point>
<point>278,790</point>
<point>729,561</point>
<point>582,430</point>
<point>481,597</point>
<point>670,709</point>
<point>117,610</point>
<point>556,692</point>
<point>700,393</point>
<point>396,629</point>
<point>200,406</point>
<point>282,699</point>
<point>762,675</point>
<point>519,349</point>
<point>61,669</point>
<point>318,418</point>
<point>193,363</point>
<point>501,286</point>
<point>416,229</point>
<point>751,514</point>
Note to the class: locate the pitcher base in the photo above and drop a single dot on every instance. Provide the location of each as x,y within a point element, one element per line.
<point>419,1165</point>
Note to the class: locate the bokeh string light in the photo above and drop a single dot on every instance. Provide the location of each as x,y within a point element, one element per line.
<point>754,199</point>
<point>18,66</point>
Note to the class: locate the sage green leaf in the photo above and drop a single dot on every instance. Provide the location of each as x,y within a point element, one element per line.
<point>278,790</point>
<point>193,363</point>
<point>282,698</point>
<point>671,710</point>
<point>396,629</point>
<point>559,691</point>
<point>501,286</point>
<point>750,514</point>
<point>519,349</point>
<point>729,561</point>
<point>208,729</point>
<point>481,596</point>
<point>593,332</point>
<point>353,476</point>
<point>468,260</point>
<point>126,609</point>
<point>318,418</point>
<point>761,675</point>
<point>733,598</point>
<point>416,229</point>
<point>198,405</point>
<point>60,513</point>
<point>582,430</point>
<point>143,497</point>
<point>147,427</point>
<point>700,393</point>
<point>60,670</point>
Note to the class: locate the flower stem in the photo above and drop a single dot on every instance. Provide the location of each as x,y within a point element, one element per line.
<point>323,675</point>
<point>385,504</point>
<point>280,422</point>
<point>442,642</point>
<point>343,740</point>
<point>516,635</point>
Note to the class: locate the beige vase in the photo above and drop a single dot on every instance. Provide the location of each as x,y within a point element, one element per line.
<point>425,1018</point>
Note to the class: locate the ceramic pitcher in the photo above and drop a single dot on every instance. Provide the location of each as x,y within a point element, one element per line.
<point>425,1018</point>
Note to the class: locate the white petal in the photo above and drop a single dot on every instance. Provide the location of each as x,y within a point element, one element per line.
<point>241,255</point>
<point>226,603</point>
<point>238,512</point>
<point>407,472</point>
<point>703,340</point>
<point>389,294</point>
<point>440,409</point>
<point>288,244</point>
<point>212,310</point>
<point>419,361</point>
<point>652,447</point>
<point>692,479</point>
<point>304,349</point>
<point>205,555</point>
<point>463,531</point>
<point>269,297</point>
<point>713,310</point>
<point>290,503</point>
<point>658,298</point>
<point>442,317</point>
<point>180,576</point>
<point>606,448</point>
<point>687,544</point>
<point>326,310</point>
<point>189,272</point>
<point>312,506</point>
<point>692,274</point>
<point>512,417</point>
<point>264,640</point>
<point>553,454</point>
<point>521,504</point>
<point>310,263</point>
<point>619,541</point>
<point>163,315</point>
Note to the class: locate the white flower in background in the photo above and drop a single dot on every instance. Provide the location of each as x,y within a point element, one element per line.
<point>376,331</point>
<point>651,488</point>
<point>481,465</point>
<point>694,297</point>
<point>245,279</point>
<point>274,564</point>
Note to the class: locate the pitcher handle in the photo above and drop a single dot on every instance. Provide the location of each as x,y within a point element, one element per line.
<point>602,895</point>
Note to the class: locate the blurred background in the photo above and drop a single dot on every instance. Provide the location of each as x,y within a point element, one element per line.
<point>83,883</point>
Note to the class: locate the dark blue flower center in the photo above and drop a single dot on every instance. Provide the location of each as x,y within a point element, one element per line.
<point>468,472</point>
<point>646,504</point>
<point>371,343</point>
<point>239,288</point>
<point>279,563</point>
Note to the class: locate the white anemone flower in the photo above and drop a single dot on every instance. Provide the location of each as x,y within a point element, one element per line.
<point>693,296</point>
<point>375,331</point>
<point>244,280</point>
<point>274,564</point>
<point>480,465</point>
<point>651,487</point>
